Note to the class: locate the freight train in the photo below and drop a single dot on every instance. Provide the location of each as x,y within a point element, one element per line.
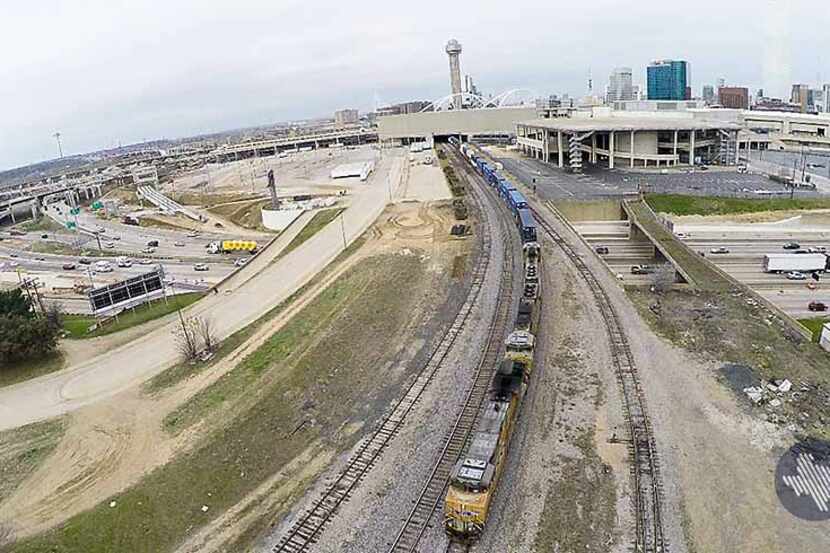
<point>475,478</point>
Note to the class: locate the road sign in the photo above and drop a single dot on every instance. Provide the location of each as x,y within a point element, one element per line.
<point>71,224</point>
<point>128,293</point>
<point>96,205</point>
<point>75,211</point>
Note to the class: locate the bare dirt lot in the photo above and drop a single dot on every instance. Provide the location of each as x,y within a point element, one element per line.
<point>108,448</point>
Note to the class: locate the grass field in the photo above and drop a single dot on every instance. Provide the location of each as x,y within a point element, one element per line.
<point>814,326</point>
<point>22,450</point>
<point>244,214</point>
<point>320,220</point>
<point>706,205</point>
<point>77,325</point>
<point>24,370</point>
<point>302,389</point>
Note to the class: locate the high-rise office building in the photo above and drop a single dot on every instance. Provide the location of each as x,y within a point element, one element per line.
<point>826,90</point>
<point>346,117</point>
<point>801,96</point>
<point>733,97</point>
<point>668,80</point>
<point>709,94</point>
<point>620,85</point>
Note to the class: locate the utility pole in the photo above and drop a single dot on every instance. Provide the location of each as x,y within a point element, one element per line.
<point>57,136</point>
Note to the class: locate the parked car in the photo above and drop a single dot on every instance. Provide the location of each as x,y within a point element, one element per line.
<point>796,275</point>
<point>68,266</point>
<point>642,269</point>
<point>602,250</point>
<point>201,267</point>
<point>791,246</point>
<point>721,249</point>
<point>817,306</point>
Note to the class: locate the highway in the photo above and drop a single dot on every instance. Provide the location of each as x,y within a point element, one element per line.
<point>254,290</point>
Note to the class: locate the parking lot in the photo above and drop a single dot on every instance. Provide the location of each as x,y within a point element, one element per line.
<point>553,183</point>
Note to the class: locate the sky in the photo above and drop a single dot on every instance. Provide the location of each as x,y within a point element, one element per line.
<point>104,72</point>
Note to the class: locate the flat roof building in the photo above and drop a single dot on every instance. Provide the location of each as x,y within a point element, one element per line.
<point>733,97</point>
<point>634,139</point>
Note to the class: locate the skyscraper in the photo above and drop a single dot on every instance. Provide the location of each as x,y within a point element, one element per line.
<point>708,94</point>
<point>620,86</point>
<point>668,80</point>
<point>801,96</point>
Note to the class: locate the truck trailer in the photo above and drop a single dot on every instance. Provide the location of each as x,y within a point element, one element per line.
<point>802,262</point>
<point>229,246</point>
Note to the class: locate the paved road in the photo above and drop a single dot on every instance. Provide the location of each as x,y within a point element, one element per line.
<point>239,303</point>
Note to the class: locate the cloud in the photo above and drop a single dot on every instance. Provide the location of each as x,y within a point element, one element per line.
<point>104,72</point>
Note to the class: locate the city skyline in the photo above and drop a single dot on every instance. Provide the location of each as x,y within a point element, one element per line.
<point>109,75</point>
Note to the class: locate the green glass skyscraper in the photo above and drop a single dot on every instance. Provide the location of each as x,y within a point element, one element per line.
<point>667,80</point>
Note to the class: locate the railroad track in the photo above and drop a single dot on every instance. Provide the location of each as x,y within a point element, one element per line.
<point>645,466</point>
<point>305,531</point>
<point>417,523</point>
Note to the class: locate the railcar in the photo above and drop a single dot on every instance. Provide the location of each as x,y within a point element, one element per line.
<point>516,201</point>
<point>527,226</point>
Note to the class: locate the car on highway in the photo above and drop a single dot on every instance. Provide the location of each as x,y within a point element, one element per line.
<point>681,235</point>
<point>40,258</point>
<point>124,262</point>
<point>721,249</point>
<point>145,261</point>
<point>109,245</point>
<point>240,262</point>
<point>642,269</point>
<point>201,267</point>
<point>178,244</point>
<point>44,236</point>
<point>602,250</point>
<point>796,275</point>
<point>69,266</point>
<point>85,261</point>
<point>817,249</point>
<point>103,267</point>
<point>791,246</point>
<point>153,244</point>
<point>148,249</point>
<point>192,234</point>
<point>115,238</point>
<point>14,255</point>
<point>817,306</point>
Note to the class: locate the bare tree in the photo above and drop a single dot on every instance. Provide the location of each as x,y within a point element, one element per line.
<point>206,331</point>
<point>6,535</point>
<point>663,278</point>
<point>187,339</point>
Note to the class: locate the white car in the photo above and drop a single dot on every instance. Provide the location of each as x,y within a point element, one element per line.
<point>146,261</point>
<point>109,245</point>
<point>178,244</point>
<point>148,249</point>
<point>240,262</point>
<point>201,267</point>
<point>103,267</point>
<point>192,234</point>
<point>796,275</point>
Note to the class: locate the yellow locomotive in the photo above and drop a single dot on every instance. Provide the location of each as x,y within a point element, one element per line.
<point>475,477</point>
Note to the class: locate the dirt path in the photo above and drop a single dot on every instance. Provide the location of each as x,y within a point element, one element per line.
<point>111,445</point>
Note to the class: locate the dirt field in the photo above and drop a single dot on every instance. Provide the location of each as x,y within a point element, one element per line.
<point>108,448</point>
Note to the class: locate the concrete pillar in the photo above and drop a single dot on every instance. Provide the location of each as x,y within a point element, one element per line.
<point>611,150</point>
<point>34,210</point>
<point>692,148</point>
<point>559,146</point>
<point>632,149</point>
<point>676,133</point>
<point>594,148</point>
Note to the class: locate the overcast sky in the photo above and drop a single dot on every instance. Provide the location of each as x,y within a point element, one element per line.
<point>108,71</point>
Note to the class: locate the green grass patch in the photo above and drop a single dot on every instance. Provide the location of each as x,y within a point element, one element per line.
<point>814,326</point>
<point>44,224</point>
<point>315,225</point>
<point>77,325</point>
<point>677,204</point>
<point>25,370</point>
<point>300,399</point>
<point>182,371</point>
<point>244,214</point>
<point>23,449</point>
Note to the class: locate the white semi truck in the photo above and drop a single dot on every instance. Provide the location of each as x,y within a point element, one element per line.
<point>801,262</point>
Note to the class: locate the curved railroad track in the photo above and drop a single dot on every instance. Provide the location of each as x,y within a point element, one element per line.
<point>305,531</point>
<point>645,466</point>
<point>417,523</point>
